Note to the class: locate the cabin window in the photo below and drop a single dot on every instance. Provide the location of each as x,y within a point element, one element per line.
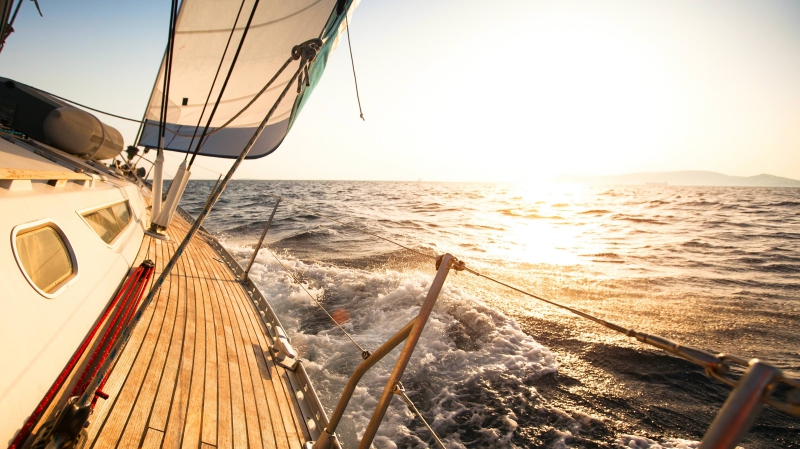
<point>44,256</point>
<point>109,221</point>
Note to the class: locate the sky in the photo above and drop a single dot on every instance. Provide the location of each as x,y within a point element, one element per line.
<point>473,91</point>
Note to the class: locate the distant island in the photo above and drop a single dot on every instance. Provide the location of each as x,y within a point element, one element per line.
<point>683,178</point>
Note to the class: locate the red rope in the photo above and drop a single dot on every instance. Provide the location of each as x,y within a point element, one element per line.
<point>138,298</point>
<point>126,294</point>
<point>23,433</point>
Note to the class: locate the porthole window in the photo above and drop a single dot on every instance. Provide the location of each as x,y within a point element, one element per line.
<point>44,256</point>
<point>109,221</point>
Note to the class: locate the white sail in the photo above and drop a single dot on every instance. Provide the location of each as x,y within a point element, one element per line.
<point>202,32</point>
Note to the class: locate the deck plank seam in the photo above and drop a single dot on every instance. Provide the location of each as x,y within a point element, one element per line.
<point>289,432</point>
<point>165,322</point>
<point>235,374</point>
<point>166,294</point>
<point>210,348</point>
<point>176,413</point>
<point>235,289</point>
<point>224,402</point>
<point>108,406</point>
<point>244,378</point>
<point>165,393</point>
<point>233,370</point>
<point>199,356</point>
<point>294,423</point>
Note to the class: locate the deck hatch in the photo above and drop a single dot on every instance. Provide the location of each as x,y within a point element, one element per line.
<point>109,221</point>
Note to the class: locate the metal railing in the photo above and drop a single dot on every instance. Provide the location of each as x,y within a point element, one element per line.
<point>410,333</point>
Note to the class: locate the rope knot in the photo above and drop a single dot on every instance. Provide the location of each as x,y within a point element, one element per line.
<point>307,50</point>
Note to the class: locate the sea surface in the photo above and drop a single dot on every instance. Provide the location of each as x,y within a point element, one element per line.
<point>710,267</point>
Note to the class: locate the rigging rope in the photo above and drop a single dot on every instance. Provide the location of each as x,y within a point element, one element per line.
<point>352,63</point>
<point>211,88</point>
<point>224,83</point>
<point>167,72</point>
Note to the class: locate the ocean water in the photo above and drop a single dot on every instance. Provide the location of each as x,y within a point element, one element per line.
<point>710,267</point>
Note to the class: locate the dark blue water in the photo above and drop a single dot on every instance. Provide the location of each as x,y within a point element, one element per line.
<point>715,268</point>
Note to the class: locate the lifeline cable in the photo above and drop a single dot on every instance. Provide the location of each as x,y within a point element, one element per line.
<point>400,391</point>
<point>297,281</point>
<point>82,105</point>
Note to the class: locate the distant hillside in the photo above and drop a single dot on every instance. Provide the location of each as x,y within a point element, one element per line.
<point>684,178</point>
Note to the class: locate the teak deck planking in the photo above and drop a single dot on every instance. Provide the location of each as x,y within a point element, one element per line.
<point>197,372</point>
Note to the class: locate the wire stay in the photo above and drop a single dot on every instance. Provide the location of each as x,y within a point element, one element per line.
<point>317,301</point>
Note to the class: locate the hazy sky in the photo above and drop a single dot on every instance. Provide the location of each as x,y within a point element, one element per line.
<point>482,91</point>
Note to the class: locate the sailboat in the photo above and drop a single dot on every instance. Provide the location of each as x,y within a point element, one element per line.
<point>132,326</point>
<point>124,323</point>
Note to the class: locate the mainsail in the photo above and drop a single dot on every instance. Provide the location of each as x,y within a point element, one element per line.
<point>202,33</point>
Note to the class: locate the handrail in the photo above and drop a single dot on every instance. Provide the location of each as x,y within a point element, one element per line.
<point>410,333</point>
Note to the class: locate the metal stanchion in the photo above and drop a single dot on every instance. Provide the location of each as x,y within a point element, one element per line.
<point>410,333</point>
<point>742,407</point>
<point>260,241</point>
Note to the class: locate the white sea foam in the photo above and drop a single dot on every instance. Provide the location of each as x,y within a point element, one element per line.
<point>635,442</point>
<point>465,344</point>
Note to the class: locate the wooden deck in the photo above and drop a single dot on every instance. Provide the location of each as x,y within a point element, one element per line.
<point>197,372</point>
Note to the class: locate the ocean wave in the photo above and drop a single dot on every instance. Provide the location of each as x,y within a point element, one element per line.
<point>702,204</point>
<point>636,442</point>
<point>467,348</point>
<point>610,255</point>
<point>784,204</point>
<point>637,219</point>
<point>694,245</point>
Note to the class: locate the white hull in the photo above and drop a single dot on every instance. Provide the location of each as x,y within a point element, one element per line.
<point>40,334</point>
